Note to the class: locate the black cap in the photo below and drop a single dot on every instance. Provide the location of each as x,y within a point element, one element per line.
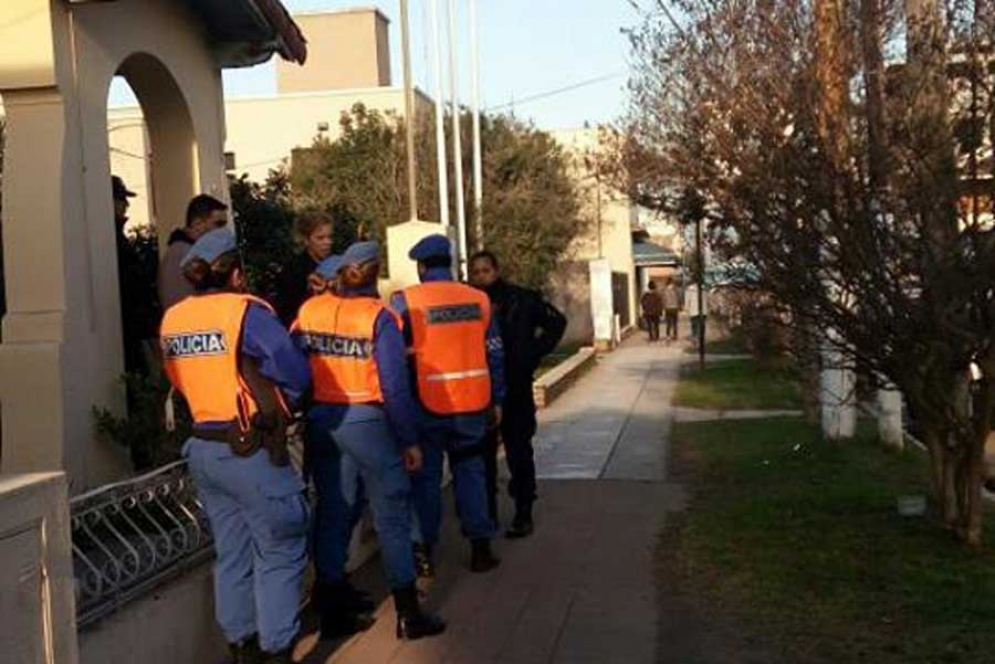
<point>119,190</point>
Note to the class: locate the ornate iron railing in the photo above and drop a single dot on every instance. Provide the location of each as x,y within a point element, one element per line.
<point>130,536</point>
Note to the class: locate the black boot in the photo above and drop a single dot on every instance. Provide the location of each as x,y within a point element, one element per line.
<point>344,611</point>
<point>522,526</point>
<point>355,600</point>
<point>424,565</point>
<point>482,558</point>
<point>282,657</point>
<point>413,621</point>
<point>341,596</point>
<point>340,624</point>
<point>246,651</point>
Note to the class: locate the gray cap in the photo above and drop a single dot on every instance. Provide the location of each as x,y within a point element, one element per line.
<point>360,252</point>
<point>329,268</point>
<point>211,246</point>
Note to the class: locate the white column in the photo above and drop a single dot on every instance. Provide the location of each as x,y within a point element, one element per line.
<point>838,383</point>
<point>890,418</point>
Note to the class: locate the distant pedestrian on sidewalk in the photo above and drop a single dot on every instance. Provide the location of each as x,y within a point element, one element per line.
<point>530,329</point>
<point>652,305</point>
<point>671,309</point>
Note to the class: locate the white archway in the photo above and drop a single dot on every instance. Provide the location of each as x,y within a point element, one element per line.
<point>173,165</point>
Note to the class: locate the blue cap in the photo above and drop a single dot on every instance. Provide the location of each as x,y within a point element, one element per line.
<point>360,252</point>
<point>328,269</point>
<point>211,246</point>
<point>431,247</point>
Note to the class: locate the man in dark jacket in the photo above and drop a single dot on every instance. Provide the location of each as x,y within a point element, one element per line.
<point>136,264</point>
<point>530,329</point>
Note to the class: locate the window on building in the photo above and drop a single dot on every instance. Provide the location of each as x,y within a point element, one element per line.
<point>229,161</point>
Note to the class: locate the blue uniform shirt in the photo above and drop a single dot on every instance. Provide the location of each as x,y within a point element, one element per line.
<point>495,348</point>
<point>265,340</point>
<point>392,369</point>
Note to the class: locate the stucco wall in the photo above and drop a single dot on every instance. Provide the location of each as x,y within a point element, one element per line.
<point>347,49</point>
<point>62,341</point>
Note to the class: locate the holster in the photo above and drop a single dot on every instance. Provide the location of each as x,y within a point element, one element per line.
<point>268,427</point>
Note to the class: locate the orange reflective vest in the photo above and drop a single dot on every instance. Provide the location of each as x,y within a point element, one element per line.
<point>449,324</point>
<point>200,339</point>
<point>338,334</point>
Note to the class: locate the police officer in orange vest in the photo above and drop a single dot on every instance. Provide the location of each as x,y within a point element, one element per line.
<point>364,422</point>
<point>458,362</point>
<point>228,355</point>
<point>344,609</point>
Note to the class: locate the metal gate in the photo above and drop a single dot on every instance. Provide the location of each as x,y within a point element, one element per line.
<point>620,298</point>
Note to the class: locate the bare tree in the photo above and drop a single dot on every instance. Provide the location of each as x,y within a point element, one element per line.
<point>828,155</point>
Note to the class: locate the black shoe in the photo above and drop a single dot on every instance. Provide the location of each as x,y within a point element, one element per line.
<point>413,621</point>
<point>521,527</point>
<point>340,625</point>
<point>423,561</point>
<point>482,558</point>
<point>246,651</point>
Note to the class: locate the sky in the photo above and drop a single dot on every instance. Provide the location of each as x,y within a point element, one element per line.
<point>528,48</point>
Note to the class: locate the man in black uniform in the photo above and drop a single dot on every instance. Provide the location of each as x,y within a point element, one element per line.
<point>530,329</point>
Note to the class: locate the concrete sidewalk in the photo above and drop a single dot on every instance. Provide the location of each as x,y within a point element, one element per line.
<point>583,588</point>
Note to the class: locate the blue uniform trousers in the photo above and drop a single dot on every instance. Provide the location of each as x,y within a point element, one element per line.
<point>461,437</point>
<point>344,451</point>
<point>259,519</point>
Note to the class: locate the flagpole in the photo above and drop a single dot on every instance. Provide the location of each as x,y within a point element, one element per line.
<point>457,138</point>
<point>478,176</point>
<point>440,127</point>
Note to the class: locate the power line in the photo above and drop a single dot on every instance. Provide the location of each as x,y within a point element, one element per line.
<point>558,91</point>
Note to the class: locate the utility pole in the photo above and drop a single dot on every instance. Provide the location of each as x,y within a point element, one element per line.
<point>457,138</point>
<point>440,127</point>
<point>409,112</point>
<point>478,176</point>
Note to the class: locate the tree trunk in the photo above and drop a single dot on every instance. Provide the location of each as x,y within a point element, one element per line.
<point>831,65</point>
<point>932,144</point>
<point>870,38</point>
<point>973,510</point>
<point>942,475</point>
<point>951,499</point>
<point>808,364</point>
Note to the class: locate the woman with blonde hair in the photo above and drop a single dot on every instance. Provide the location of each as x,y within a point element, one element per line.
<point>313,232</point>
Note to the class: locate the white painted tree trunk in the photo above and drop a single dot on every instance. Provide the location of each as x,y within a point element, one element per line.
<point>839,411</point>
<point>890,418</point>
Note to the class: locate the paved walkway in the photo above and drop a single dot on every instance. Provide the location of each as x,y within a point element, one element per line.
<point>582,589</point>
